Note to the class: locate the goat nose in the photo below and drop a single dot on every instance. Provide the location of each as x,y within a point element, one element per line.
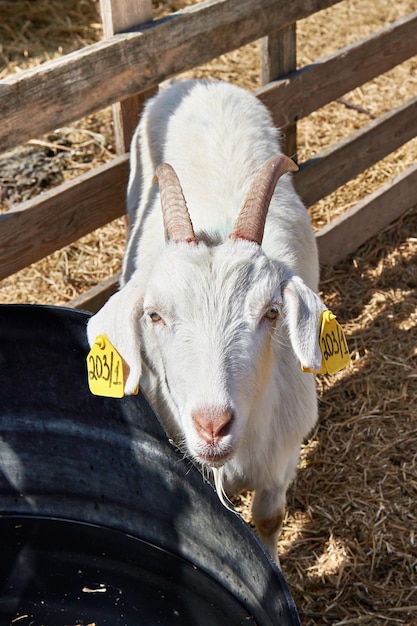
<point>212,425</point>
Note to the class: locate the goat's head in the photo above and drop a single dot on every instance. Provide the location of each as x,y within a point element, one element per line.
<point>220,316</point>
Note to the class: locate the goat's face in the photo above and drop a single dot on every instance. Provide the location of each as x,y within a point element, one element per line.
<point>221,316</point>
<point>216,313</point>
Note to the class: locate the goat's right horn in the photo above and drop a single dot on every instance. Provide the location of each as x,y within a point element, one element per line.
<point>177,221</point>
<point>250,223</point>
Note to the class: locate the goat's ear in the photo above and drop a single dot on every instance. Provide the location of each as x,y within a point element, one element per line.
<point>303,309</point>
<point>119,319</point>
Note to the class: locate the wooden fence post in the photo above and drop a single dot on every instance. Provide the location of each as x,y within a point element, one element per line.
<point>119,16</point>
<point>279,57</point>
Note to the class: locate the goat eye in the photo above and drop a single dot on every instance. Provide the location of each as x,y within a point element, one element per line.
<point>272,313</point>
<point>155,317</point>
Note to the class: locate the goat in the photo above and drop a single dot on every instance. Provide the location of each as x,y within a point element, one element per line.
<point>215,317</point>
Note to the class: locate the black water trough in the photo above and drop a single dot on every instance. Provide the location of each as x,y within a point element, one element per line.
<point>101,520</point>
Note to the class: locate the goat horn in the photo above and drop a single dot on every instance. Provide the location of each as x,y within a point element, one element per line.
<point>177,222</point>
<point>250,222</point>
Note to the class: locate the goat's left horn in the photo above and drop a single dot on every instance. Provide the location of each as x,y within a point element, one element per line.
<point>250,223</point>
<point>177,221</point>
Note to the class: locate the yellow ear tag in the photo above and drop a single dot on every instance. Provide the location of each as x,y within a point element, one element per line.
<point>333,346</point>
<point>105,369</point>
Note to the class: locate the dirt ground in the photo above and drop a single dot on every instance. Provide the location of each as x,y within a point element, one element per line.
<point>348,547</point>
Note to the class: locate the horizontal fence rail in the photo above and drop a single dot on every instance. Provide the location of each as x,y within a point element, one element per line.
<point>85,81</point>
<point>335,166</point>
<point>295,96</point>
<point>347,232</point>
<point>58,217</point>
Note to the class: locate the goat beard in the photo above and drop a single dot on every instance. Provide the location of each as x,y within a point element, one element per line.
<point>218,477</point>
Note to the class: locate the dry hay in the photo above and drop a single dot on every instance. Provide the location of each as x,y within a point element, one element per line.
<point>348,546</point>
<point>353,508</point>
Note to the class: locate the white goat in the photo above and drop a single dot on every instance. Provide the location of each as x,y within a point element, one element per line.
<point>216,317</point>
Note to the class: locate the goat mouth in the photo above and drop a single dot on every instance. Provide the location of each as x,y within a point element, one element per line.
<point>214,459</point>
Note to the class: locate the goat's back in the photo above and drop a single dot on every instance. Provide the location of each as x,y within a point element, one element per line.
<point>216,136</point>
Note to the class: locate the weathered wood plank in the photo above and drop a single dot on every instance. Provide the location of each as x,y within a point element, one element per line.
<point>119,16</point>
<point>347,232</point>
<point>344,160</point>
<point>58,217</point>
<point>279,57</point>
<point>93,299</point>
<point>66,89</point>
<point>300,93</point>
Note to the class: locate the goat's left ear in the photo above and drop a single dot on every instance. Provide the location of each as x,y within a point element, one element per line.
<point>303,309</point>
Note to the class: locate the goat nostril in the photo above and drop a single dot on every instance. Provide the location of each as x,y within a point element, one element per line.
<point>225,429</point>
<point>212,425</point>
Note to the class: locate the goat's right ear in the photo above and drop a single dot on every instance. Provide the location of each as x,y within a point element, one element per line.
<point>303,313</point>
<point>119,319</point>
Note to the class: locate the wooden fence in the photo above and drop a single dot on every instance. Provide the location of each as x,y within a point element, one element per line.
<point>124,68</point>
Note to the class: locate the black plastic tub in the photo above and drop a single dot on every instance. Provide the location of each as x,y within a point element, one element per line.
<point>101,520</point>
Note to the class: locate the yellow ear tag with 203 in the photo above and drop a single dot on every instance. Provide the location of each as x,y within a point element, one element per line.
<point>105,369</point>
<point>333,346</point>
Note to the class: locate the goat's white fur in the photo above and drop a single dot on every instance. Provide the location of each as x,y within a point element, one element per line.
<point>214,349</point>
